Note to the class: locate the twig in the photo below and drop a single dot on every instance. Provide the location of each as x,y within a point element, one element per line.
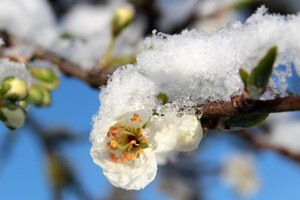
<point>96,77</point>
<point>239,106</point>
<point>264,144</point>
<point>93,76</point>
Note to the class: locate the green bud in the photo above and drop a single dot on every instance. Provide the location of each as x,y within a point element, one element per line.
<point>163,98</point>
<point>13,116</point>
<point>46,77</point>
<point>13,89</point>
<point>121,19</point>
<point>39,96</point>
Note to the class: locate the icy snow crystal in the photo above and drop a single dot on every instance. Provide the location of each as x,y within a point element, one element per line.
<point>18,70</point>
<point>205,67</point>
<point>194,67</point>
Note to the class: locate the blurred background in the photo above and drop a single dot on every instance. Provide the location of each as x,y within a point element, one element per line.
<point>49,157</point>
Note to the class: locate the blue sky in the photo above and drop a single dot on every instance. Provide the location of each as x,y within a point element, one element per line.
<point>23,174</point>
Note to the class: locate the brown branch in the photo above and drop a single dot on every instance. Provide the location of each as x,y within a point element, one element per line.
<point>96,77</point>
<point>93,76</point>
<point>264,144</point>
<point>240,106</point>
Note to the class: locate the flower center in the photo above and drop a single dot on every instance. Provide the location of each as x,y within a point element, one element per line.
<point>126,142</point>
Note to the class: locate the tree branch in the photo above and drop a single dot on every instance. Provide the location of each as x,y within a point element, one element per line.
<point>239,106</point>
<point>264,144</point>
<point>93,76</point>
<point>212,111</point>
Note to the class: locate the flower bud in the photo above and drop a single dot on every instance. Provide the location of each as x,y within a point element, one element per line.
<point>190,133</point>
<point>13,116</point>
<point>39,96</point>
<point>46,77</point>
<point>121,19</point>
<point>13,89</point>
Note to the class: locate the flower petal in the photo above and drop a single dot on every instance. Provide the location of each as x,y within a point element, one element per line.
<point>190,133</point>
<point>133,175</point>
<point>163,133</point>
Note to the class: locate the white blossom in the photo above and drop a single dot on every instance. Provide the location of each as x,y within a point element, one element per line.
<point>238,171</point>
<point>190,133</point>
<point>127,152</point>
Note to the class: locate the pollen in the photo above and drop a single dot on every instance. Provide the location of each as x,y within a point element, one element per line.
<point>136,117</point>
<point>113,143</point>
<point>113,157</point>
<point>124,140</point>
<point>140,151</point>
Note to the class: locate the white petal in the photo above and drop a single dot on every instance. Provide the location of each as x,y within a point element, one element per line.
<point>133,175</point>
<point>163,133</point>
<point>190,133</point>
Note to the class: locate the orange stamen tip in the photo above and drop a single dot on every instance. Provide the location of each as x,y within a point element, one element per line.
<point>114,128</point>
<point>141,131</point>
<point>133,155</point>
<point>125,153</point>
<point>108,144</point>
<point>113,156</point>
<point>113,134</point>
<point>108,134</point>
<point>133,119</point>
<point>121,126</point>
<point>116,138</point>
<point>145,139</point>
<point>131,143</point>
<point>120,159</point>
<point>140,151</point>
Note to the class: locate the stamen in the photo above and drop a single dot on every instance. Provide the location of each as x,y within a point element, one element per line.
<point>131,143</point>
<point>120,159</point>
<point>116,139</point>
<point>140,151</point>
<point>108,144</point>
<point>145,139</point>
<point>108,134</point>
<point>113,156</point>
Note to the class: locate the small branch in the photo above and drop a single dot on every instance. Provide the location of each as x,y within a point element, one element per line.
<point>264,144</point>
<point>93,76</point>
<point>240,106</point>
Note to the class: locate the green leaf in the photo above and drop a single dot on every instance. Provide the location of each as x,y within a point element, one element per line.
<point>4,88</point>
<point>260,75</point>
<point>244,76</point>
<point>163,97</point>
<point>246,121</point>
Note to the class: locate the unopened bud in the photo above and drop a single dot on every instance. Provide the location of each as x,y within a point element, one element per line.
<point>13,89</point>
<point>13,116</point>
<point>39,96</point>
<point>46,77</point>
<point>121,19</point>
<point>190,133</point>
